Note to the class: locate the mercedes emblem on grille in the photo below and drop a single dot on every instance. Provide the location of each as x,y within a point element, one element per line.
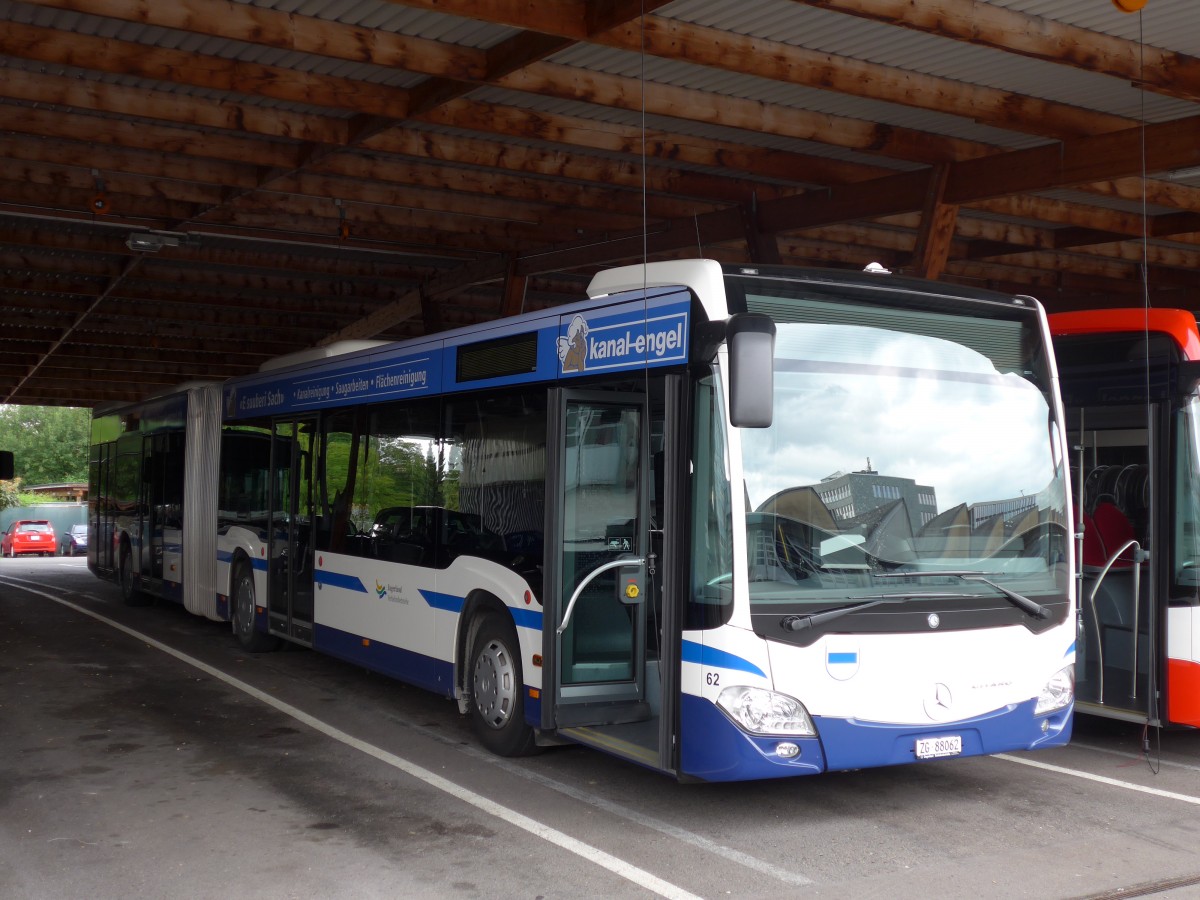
<point>938,704</point>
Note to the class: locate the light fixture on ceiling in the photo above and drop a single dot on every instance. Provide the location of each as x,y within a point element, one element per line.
<point>151,241</point>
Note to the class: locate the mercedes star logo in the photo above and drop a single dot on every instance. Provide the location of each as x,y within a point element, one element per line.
<point>938,704</point>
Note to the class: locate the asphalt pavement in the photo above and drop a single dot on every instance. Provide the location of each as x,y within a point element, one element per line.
<point>143,754</point>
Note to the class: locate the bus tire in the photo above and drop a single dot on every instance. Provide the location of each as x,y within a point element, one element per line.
<point>497,689</point>
<point>129,593</point>
<point>243,603</point>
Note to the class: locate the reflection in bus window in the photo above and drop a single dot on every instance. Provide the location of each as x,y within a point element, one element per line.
<point>1186,552</point>
<point>896,452</point>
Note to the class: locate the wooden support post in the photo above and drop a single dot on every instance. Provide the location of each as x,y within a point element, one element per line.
<point>938,220</point>
<point>762,247</point>
<point>514,290</point>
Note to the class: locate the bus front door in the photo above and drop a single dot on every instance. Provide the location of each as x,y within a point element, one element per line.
<point>598,595</point>
<point>1117,664</point>
<point>290,575</point>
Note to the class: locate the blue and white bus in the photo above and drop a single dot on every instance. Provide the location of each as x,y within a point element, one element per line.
<point>724,522</point>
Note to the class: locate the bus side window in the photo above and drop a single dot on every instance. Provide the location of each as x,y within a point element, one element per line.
<point>495,453</point>
<point>396,477</point>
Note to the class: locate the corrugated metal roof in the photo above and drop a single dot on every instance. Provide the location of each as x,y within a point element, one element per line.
<point>265,171</point>
<point>820,30</point>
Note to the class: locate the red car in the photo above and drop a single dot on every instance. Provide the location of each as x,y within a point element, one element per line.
<point>29,536</point>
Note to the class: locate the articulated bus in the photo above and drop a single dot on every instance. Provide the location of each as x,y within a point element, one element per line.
<point>139,497</point>
<point>723,522</point>
<point>1131,387</point>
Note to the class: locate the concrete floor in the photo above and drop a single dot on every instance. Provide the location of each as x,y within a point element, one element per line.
<point>142,754</point>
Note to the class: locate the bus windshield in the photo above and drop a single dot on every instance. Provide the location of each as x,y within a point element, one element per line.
<point>905,443</point>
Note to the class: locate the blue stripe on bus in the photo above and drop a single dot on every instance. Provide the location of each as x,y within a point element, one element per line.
<point>226,556</point>
<point>527,618</point>
<point>448,602</point>
<point>711,656</point>
<point>339,580</point>
<point>415,668</point>
<point>1070,650</point>
<point>842,658</point>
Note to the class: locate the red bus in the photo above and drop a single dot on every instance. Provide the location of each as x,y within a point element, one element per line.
<point>1130,389</point>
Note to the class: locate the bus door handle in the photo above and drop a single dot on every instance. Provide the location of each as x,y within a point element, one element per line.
<point>591,576</point>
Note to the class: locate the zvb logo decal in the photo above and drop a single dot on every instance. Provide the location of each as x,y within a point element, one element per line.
<point>573,349</point>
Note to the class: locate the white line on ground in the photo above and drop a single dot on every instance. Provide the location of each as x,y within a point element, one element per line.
<point>1135,756</point>
<point>616,809</point>
<point>637,876</point>
<point>1100,779</point>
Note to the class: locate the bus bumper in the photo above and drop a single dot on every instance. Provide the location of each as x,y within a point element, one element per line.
<point>713,748</point>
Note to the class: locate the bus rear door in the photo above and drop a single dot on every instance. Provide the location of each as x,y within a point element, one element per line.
<point>290,531</point>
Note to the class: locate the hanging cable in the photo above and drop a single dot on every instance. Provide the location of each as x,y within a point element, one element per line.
<point>1153,719</point>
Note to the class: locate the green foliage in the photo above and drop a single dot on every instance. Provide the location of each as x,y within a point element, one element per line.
<point>389,471</point>
<point>9,496</point>
<point>50,443</point>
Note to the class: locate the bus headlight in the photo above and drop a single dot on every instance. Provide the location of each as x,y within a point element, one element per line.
<point>1058,692</point>
<point>761,711</point>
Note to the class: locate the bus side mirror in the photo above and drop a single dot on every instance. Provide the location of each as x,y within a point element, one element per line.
<point>751,340</point>
<point>6,465</point>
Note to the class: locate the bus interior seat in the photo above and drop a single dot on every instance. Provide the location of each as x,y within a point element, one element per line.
<point>1094,556</point>
<point>1114,530</point>
<point>1116,505</point>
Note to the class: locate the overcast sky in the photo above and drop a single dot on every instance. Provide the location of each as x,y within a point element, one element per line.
<point>970,441</point>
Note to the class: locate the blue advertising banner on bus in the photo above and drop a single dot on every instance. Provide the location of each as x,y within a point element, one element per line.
<point>573,342</point>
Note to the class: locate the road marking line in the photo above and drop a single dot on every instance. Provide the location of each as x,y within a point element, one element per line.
<point>632,873</point>
<point>616,809</point>
<point>1158,761</point>
<point>1100,779</point>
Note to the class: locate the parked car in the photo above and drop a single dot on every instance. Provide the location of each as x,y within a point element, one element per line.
<point>28,536</point>
<point>73,541</point>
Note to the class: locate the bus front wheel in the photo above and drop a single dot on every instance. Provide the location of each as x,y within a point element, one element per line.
<point>251,639</point>
<point>497,689</point>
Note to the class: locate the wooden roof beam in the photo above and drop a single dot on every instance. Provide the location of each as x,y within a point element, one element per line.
<point>1167,145</point>
<point>789,64</point>
<point>989,25</point>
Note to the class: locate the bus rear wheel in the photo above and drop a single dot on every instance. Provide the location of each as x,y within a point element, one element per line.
<point>497,689</point>
<point>129,593</point>
<point>244,605</point>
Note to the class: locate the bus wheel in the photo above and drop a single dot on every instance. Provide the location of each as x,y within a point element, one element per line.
<point>248,636</point>
<point>496,686</point>
<point>128,593</point>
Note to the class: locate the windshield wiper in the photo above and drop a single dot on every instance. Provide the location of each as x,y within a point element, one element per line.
<point>1023,603</point>
<point>812,620</point>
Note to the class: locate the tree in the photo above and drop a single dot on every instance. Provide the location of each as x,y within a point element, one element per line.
<point>9,495</point>
<point>50,442</point>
